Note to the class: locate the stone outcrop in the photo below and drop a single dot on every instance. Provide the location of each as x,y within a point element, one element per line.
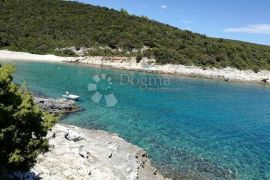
<point>77,153</point>
<point>56,106</point>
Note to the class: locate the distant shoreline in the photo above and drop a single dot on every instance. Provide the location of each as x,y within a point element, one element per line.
<point>147,65</point>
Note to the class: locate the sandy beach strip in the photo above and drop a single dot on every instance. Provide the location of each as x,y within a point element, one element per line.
<point>23,56</point>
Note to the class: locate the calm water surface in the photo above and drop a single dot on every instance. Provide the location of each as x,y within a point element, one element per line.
<point>196,128</point>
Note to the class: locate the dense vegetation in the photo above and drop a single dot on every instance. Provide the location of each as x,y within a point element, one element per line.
<point>41,26</point>
<point>22,126</point>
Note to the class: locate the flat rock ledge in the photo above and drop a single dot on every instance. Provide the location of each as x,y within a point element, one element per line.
<point>77,153</point>
<point>56,106</point>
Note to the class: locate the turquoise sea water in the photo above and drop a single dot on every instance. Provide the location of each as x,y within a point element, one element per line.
<point>196,129</point>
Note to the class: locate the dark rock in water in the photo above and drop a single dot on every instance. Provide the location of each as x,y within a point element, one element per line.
<point>56,106</point>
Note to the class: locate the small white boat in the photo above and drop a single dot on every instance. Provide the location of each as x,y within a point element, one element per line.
<point>70,96</point>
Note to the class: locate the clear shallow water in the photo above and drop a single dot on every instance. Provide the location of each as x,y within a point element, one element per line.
<point>206,128</point>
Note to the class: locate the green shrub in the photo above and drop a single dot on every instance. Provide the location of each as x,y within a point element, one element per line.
<point>68,52</point>
<point>256,69</point>
<point>23,126</point>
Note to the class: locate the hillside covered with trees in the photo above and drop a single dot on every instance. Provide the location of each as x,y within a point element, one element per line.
<point>42,26</point>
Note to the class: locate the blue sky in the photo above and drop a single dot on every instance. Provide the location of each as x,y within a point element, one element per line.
<point>246,20</point>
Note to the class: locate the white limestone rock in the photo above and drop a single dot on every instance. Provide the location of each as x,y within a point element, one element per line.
<point>78,153</point>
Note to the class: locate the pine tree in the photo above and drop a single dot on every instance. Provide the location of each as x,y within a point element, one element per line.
<point>23,126</point>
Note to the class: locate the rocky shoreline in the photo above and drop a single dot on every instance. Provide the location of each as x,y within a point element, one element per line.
<point>77,153</point>
<point>147,65</point>
<point>56,106</point>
